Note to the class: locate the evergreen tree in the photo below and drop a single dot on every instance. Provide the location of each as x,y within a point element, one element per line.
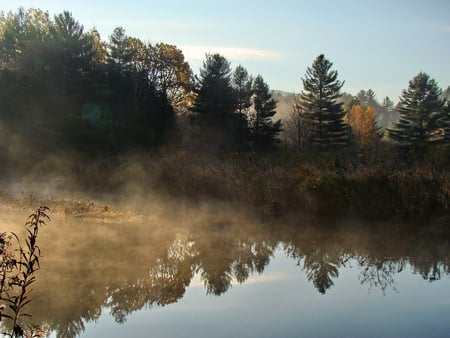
<point>319,101</point>
<point>367,98</point>
<point>242,84</point>
<point>215,103</point>
<point>119,54</point>
<point>447,93</point>
<point>446,122</point>
<point>422,114</point>
<point>264,131</point>
<point>388,105</point>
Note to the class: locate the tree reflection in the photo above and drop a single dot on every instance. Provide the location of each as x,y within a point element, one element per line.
<point>320,268</point>
<point>320,265</point>
<point>162,262</point>
<point>380,273</point>
<point>166,282</point>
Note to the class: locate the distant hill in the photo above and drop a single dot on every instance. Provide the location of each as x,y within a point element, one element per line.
<point>285,101</point>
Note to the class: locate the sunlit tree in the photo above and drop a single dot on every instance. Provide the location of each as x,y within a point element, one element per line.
<point>362,122</point>
<point>171,74</point>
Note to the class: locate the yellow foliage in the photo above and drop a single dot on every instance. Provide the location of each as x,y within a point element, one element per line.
<point>362,122</point>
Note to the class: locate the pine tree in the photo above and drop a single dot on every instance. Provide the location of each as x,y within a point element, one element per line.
<point>445,122</point>
<point>421,114</point>
<point>242,84</point>
<point>215,103</point>
<point>263,130</point>
<point>319,102</point>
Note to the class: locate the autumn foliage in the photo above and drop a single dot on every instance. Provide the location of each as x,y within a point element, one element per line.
<point>362,121</point>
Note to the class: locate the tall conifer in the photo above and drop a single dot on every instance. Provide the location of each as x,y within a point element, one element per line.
<point>215,103</point>
<point>319,103</point>
<point>264,131</point>
<point>422,114</point>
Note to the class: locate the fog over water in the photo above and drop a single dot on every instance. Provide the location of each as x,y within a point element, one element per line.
<point>212,271</point>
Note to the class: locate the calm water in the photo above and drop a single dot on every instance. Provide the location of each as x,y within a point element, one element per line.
<point>205,273</point>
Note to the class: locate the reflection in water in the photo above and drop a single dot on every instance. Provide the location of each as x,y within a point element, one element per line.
<point>124,268</point>
<point>380,272</point>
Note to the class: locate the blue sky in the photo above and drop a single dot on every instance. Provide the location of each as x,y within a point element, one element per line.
<point>378,44</point>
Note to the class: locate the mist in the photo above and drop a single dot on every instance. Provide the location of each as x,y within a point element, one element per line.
<point>157,180</point>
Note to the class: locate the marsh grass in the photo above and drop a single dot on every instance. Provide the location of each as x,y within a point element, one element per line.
<point>372,188</point>
<point>381,184</point>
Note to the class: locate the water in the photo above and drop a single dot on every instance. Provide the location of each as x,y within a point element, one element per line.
<point>209,273</point>
<point>282,303</point>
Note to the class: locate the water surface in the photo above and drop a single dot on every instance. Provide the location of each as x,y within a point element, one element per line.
<point>215,273</point>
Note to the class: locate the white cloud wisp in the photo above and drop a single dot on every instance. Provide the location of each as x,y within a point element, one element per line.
<point>231,53</point>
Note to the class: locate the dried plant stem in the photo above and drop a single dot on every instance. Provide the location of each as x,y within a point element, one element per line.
<point>16,293</point>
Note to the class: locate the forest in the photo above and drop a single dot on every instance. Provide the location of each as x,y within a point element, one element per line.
<point>117,114</point>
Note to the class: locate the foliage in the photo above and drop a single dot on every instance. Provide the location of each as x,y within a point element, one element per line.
<point>17,273</point>
<point>83,94</point>
<point>320,105</point>
<point>362,122</point>
<point>422,114</point>
<point>215,104</point>
<point>171,75</point>
<point>242,84</point>
<point>263,130</point>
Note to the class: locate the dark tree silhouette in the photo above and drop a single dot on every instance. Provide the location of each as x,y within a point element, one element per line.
<point>422,113</point>
<point>215,104</point>
<point>319,102</point>
<point>242,84</point>
<point>264,131</point>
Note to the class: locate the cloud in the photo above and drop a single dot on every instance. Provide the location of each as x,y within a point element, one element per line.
<point>197,280</point>
<point>231,53</point>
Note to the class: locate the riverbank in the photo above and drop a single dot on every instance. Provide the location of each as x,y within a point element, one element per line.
<point>269,185</point>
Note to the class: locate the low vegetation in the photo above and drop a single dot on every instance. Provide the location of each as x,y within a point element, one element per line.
<point>19,263</point>
<point>92,103</point>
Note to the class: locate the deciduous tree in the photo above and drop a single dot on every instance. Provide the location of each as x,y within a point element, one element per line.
<point>171,74</point>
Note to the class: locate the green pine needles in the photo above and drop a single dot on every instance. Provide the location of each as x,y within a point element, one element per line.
<point>423,117</point>
<point>321,110</point>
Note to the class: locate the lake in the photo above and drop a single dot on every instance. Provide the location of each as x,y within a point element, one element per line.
<point>211,271</point>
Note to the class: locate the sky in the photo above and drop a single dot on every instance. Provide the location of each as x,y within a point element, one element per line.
<point>379,44</point>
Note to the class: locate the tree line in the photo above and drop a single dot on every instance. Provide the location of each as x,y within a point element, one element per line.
<point>66,88</point>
